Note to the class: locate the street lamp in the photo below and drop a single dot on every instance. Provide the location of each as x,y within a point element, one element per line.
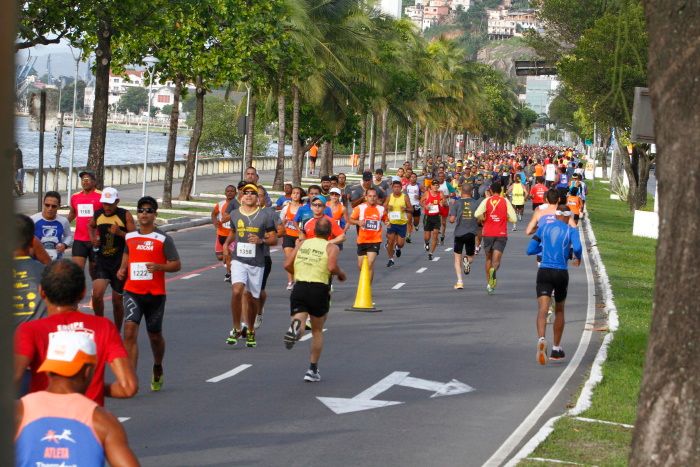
<point>151,63</point>
<point>72,131</point>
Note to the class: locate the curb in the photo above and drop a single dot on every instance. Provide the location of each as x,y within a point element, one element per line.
<point>185,225</point>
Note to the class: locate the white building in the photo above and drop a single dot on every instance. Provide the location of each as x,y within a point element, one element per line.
<point>391,7</point>
<point>503,24</point>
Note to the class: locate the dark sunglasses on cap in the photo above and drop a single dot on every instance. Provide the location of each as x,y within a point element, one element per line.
<point>145,210</point>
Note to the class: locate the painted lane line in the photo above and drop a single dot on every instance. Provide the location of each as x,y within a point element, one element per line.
<point>437,258</point>
<point>274,250</point>
<point>123,419</point>
<point>448,249</point>
<point>421,270</point>
<point>228,374</point>
<point>196,271</point>
<point>308,335</point>
<point>398,286</point>
<point>506,449</point>
<point>189,276</point>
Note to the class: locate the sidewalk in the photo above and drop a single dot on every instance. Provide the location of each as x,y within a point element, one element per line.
<point>129,194</point>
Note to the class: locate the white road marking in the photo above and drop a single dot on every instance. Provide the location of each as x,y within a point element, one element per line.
<point>421,270</point>
<point>274,250</point>
<point>604,422</point>
<point>437,258</point>
<point>189,276</point>
<point>448,249</point>
<point>123,419</point>
<point>228,374</point>
<point>398,286</point>
<point>307,335</point>
<point>504,451</point>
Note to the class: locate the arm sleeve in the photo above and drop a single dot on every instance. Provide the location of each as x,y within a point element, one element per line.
<point>169,249</point>
<point>67,232</point>
<point>533,247</point>
<point>512,217</point>
<point>576,243</point>
<point>481,210</point>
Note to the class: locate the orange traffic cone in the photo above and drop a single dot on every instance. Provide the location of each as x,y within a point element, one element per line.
<point>363,298</point>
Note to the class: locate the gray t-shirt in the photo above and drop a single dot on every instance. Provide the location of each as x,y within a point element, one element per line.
<point>232,206</point>
<point>258,223</point>
<point>27,302</point>
<point>465,223</point>
<point>276,220</point>
<point>358,192</point>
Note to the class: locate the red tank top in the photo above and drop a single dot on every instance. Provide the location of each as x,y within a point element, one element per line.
<point>496,218</point>
<point>432,204</point>
<point>145,248</point>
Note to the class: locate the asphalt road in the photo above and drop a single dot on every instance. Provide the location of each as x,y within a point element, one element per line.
<point>267,415</point>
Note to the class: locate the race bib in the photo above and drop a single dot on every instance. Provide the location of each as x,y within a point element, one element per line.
<point>394,216</point>
<point>291,225</point>
<point>226,225</point>
<point>139,272</point>
<point>245,250</point>
<point>433,209</point>
<point>372,225</point>
<point>53,254</point>
<point>85,210</point>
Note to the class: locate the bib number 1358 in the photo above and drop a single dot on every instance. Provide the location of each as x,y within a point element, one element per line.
<point>245,250</point>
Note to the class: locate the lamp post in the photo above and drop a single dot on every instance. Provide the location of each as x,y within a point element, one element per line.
<point>72,130</point>
<point>245,134</point>
<point>151,63</point>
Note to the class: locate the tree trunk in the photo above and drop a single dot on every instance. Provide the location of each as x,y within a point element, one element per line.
<point>408,142</point>
<point>385,134</point>
<point>668,414</point>
<point>426,144</point>
<point>372,141</point>
<point>325,154</point>
<point>188,179</point>
<point>59,149</point>
<point>98,132</point>
<point>172,144</point>
<point>331,154</point>
<point>250,131</point>
<point>296,153</point>
<point>414,158</point>
<point>278,183</point>
<point>363,145</point>
<point>636,167</point>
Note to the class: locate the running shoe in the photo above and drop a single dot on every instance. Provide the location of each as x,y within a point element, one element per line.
<point>292,334</point>
<point>390,263</point>
<point>557,354</point>
<point>312,376</point>
<point>244,331</point>
<point>307,326</point>
<point>466,266</point>
<point>492,278</point>
<point>442,239</point>
<point>157,384</point>
<point>408,239</point>
<point>290,285</point>
<point>550,316</point>
<point>233,336</point>
<point>476,251</point>
<point>398,252</point>
<point>490,290</point>
<point>515,228</point>
<point>250,340</point>
<point>258,321</point>
<point>227,277</point>
<point>459,286</point>
<point>430,256</point>
<point>542,351</point>
<point>427,246</point>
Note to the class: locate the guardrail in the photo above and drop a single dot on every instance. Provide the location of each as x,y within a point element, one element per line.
<point>126,174</point>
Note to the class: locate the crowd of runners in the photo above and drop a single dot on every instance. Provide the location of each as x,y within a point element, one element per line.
<point>61,351</point>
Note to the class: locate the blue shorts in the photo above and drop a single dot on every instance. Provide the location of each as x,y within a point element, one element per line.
<point>398,229</point>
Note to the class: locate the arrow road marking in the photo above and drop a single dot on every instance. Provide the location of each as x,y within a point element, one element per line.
<point>308,335</point>
<point>421,270</point>
<point>123,419</point>
<point>437,258</point>
<point>398,286</point>
<point>228,374</point>
<point>365,399</point>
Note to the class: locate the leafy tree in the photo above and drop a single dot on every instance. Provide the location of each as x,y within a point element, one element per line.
<point>167,109</point>
<point>135,100</point>
<point>67,97</point>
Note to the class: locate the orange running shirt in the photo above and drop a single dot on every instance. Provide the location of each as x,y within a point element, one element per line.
<point>371,218</point>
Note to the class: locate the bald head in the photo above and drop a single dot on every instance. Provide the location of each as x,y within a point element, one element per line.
<point>322,229</point>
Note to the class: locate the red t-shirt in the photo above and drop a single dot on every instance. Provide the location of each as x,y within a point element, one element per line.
<point>496,218</point>
<point>537,193</point>
<point>32,340</point>
<point>84,205</point>
<point>310,225</point>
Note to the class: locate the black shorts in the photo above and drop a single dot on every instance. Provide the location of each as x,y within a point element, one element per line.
<point>83,249</point>
<point>577,217</point>
<point>267,271</point>
<point>364,248</point>
<point>107,271</point>
<point>466,242</point>
<point>152,307</point>
<point>221,239</point>
<point>416,214</point>
<point>289,242</point>
<point>310,297</point>
<point>431,223</point>
<point>494,243</point>
<point>552,280</point>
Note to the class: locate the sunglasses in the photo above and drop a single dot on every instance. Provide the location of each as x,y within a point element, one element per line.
<point>51,206</point>
<point>145,210</point>
<point>317,205</point>
<point>563,213</point>
<point>249,192</point>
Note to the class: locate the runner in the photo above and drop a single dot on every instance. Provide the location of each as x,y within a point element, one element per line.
<point>285,198</point>
<point>252,228</point>
<point>545,213</point>
<point>107,230</point>
<point>52,230</point>
<point>82,208</point>
<point>291,229</point>
<point>62,287</point>
<point>313,155</point>
<point>339,213</point>
<point>495,212</point>
<point>448,193</point>
<point>26,273</point>
<point>380,182</point>
<point>398,206</point>
<point>277,222</point>
<point>60,424</point>
<point>313,263</point>
<point>369,216</point>
<point>431,202</point>
<point>414,192</point>
<point>554,242</point>
<point>319,209</point>
<point>223,228</point>
<point>517,191</point>
<point>573,201</point>
<point>537,192</point>
<point>462,211</point>
<point>149,253</point>
<point>357,196</point>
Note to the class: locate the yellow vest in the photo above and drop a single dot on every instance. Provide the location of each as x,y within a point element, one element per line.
<point>518,194</point>
<point>311,262</point>
<point>395,205</point>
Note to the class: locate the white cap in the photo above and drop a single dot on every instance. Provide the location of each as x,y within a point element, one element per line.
<point>68,351</point>
<point>109,195</point>
<point>336,190</point>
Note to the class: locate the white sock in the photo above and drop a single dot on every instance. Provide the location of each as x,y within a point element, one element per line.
<point>556,347</point>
